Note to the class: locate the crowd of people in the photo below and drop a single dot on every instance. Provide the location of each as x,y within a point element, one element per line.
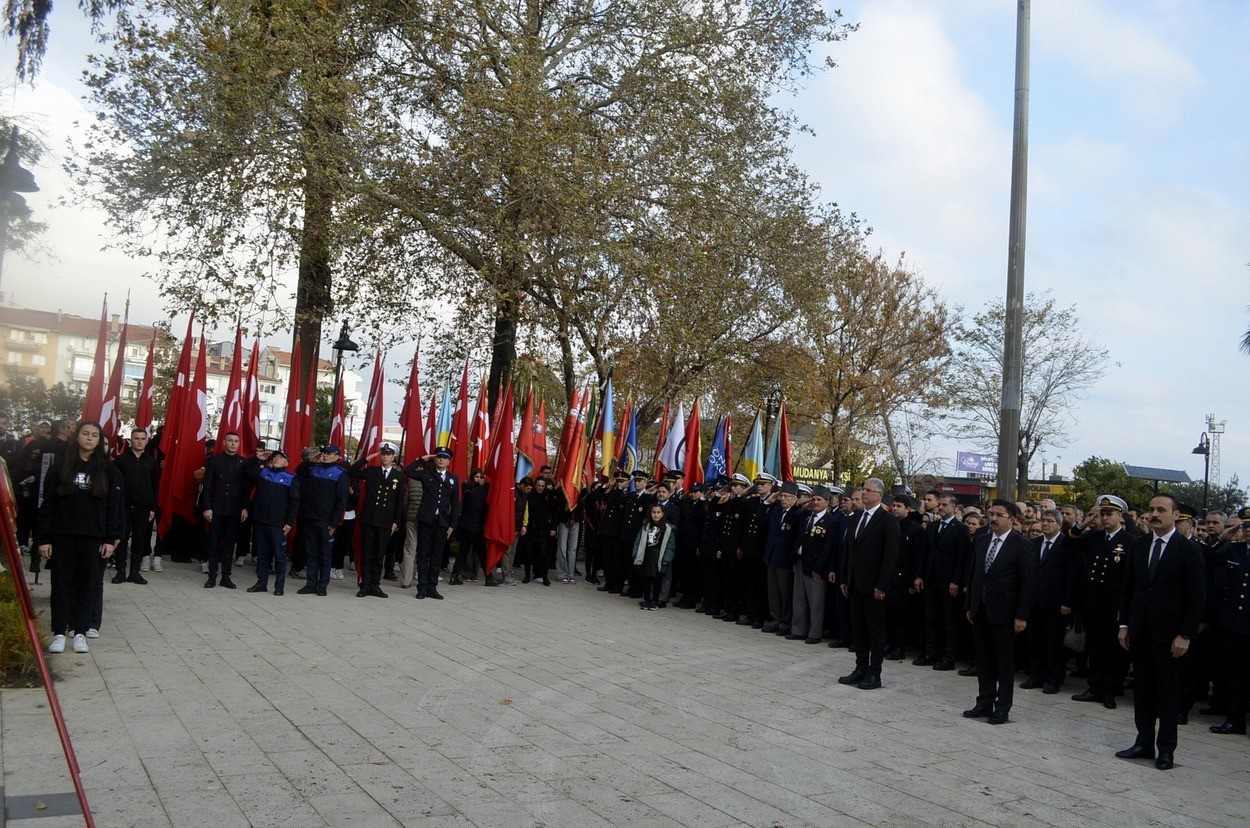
<point>1059,593</point>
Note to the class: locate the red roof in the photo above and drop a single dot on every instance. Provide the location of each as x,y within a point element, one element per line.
<point>68,323</point>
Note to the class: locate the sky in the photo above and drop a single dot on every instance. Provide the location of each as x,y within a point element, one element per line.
<point>1139,169</point>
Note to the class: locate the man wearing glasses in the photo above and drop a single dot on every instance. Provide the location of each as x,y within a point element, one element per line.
<point>868,565</point>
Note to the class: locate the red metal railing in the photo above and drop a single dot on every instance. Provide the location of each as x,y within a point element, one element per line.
<point>8,529</point>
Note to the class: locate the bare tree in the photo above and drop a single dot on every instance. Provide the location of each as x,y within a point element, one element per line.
<point>1060,361</point>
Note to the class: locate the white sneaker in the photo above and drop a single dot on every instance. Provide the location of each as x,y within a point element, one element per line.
<point>146,564</point>
<point>156,564</point>
<point>336,574</point>
<point>238,561</point>
<point>80,644</point>
<point>93,633</point>
<point>203,567</point>
<point>57,645</point>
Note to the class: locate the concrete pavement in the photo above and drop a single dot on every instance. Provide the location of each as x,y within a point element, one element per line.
<point>552,706</point>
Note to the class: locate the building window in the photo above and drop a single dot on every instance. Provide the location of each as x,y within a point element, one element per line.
<point>15,357</point>
<point>268,389</point>
<point>38,359</point>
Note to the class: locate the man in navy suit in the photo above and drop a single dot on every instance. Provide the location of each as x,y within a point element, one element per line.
<point>813,558</point>
<point>1000,599</point>
<point>1056,583</point>
<point>1165,591</point>
<point>868,566</point>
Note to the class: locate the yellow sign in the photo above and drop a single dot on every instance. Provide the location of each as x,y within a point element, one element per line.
<point>1038,491</point>
<point>816,476</point>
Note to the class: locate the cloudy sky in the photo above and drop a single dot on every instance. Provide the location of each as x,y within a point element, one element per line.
<point>1139,170</point>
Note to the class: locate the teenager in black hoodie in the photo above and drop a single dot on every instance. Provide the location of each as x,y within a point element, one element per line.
<point>80,522</point>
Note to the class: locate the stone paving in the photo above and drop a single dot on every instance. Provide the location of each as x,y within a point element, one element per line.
<point>553,706</point>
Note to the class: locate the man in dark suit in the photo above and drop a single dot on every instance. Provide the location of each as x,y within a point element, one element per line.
<point>440,509</point>
<point>381,513</point>
<point>784,525</point>
<point>1000,599</point>
<point>225,507</point>
<point>1052,609</point>
<point>946,552</point>
<point>1165,590</point>
<point>868,565</point>
<point>813,561</point>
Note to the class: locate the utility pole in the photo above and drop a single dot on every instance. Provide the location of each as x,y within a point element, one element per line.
<point>1013,346</point>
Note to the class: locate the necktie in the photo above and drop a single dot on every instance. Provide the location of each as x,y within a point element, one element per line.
<point>1045,550</point>
<point>1155,554</point>
<point>942,527</point>
<point>862,522</point>
<point>993,553</point>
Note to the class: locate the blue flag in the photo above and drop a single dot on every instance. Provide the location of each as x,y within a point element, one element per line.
<point>717,462</point>
<point>628,462</point>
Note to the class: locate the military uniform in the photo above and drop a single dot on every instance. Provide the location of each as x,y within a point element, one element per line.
<point>1234,622</point>
<point>381,514</point>
<point>1105,563</point>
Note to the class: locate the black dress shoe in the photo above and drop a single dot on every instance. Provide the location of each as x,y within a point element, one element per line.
<point>745,621</point>
<point>811,641</point>
<point>210,583</point>
<point>1183,718</point>
<point>307,589</point>
<point>854,677</point>
<point>943,665</point>
<point>434,594</point>
<point>525,580</point>
<point>1164,762</point>
<point>979,711</point>
<point>322,593</point>
<point>376,592</point>
<point>998,717</point>
<point>1229,728</point>
<point>769,628</point>
<point>257,588</point>
<point>362,592</point>
<point>456,580</point>
<point>546,582</point>
<point>870,682</point>
<point>226,583</point>
<point>138,579</point>
<point>1050,689</point>
<point>278,592</point>
<point>1135,752</point>
<point>420,596</point>
<point>895,655</point>
<point>119,578</point>
<point>1213,710</point>
<point>783,631</point>
<point>729,617</point>
<point>923,661</point>
<point>968,671</point>
<point>1031,684</point>
<point>833,645</point>
<point>1109,702</point>
<point>1088,695</point>
<point>793,637</point>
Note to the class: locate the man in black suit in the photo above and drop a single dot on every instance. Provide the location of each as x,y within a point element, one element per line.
<point>1056,584</point>
<point>945,554</point>
<point>1000,599</point>
<point>436,519</point>
<point>1165,590</point>
<point>381,513</point>
<point>868,566</point>
<point>225,506</point>
<point>813,562</point>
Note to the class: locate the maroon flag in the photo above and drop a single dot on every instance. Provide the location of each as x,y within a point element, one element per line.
<point>93,402</point>
<point>410,417</point>
<point>230,416</point>
<point>110,410</point>
<point>249,422</point>
<point>500,529</point>
<point>143,411</point>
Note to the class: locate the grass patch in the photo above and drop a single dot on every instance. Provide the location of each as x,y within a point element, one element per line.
<point>17,660</point>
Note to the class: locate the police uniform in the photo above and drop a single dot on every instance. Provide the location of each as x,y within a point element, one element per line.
<point>1234,622</point>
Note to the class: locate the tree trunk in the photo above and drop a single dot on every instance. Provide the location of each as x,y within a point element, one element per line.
<point>893,444</point>
<point>312,293</point>
<point>503,347</point>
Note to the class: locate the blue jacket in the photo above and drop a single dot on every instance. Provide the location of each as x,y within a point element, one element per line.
<point>782,535</point>
<point>323,493</point>
<point>275,498</point>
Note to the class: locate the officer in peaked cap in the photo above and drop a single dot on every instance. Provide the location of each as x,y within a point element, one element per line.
<point>381,515</point>
<point>1103,542</point>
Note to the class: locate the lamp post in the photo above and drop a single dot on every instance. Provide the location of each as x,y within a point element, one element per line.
<point>341,346</point>
<point>14,179</point>
<point>1204,448</point>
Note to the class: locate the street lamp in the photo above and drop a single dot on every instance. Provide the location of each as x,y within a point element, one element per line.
<point>14,179</point>
<point>1204,448</point>
<point>343,345</point>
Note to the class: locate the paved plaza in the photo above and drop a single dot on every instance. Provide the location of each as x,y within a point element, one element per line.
<point>551,706</point>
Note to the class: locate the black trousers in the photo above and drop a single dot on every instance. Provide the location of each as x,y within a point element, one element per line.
<point>431,541</point>
<point>472,554</point>
<point>1108,663</point>
<point>710,567</point>
<point>942,615</point>
<point>222,532</point>
<point>1156,692</point>
<point>136,540</point>
<point>373,542</point>
<point>996,661</point>
<point>270,553</point>
<point>868,628</point>
<point>1237,665</point>
<point>1047,659</point>
<point>76,571</point>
